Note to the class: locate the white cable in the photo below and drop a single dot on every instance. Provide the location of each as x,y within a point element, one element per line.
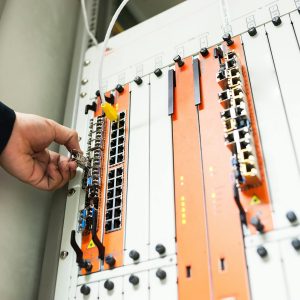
<point>104,45</point>
<point>86,23</point>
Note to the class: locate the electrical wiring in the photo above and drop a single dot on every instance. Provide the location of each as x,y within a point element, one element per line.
<point>86,23</point>
<point>104,45</point>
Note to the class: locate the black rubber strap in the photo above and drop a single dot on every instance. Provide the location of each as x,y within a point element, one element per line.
<point>7,121</point>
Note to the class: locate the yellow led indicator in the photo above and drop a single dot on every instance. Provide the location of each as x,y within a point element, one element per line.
<point>213,195</point>
<point>181,178</point>
<point>183,210</point>
<point>211,168</point>
<point>110,111</point>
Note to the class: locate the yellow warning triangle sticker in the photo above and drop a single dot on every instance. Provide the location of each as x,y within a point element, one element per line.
<point>255,200</point>
<point>91,244</point>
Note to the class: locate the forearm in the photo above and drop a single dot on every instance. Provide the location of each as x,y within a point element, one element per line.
<point>7,121</point>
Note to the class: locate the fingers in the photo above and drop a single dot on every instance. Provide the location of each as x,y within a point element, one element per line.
<point>65,136</point>
<point>58,172</point>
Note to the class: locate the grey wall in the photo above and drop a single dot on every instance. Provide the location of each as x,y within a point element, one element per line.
<point>36,48</point>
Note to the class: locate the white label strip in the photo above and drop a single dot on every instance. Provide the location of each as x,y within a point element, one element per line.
<point>137,211</point>
<point>162,211</point>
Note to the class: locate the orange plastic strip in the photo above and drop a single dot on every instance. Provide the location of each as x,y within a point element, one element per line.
<point>228,265</point>
<point>114,241</point>
<point>263,209</point>
<point>193,268</point>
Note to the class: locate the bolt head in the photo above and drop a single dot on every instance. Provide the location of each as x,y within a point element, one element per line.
<point>71,192</point>
<point>86,62</point>
<point>161,274</point>
<point>134,279</point>
<point>85,290</point>
<point>276,21</point>
<point>262,251</point>
<point>134,255</point>
<point>252,31</point>
<point>63,254</point>
<point>83,94</point>
<point>296,244</point>
<point>109,285</point>
<point>161,249</point>
<point>110,260</point>
<point>178,60</point>
<point>119,88</point>
<point>291,216</point>
<point>138,80</point>
<point>204,51</point>
<point>158,72</point>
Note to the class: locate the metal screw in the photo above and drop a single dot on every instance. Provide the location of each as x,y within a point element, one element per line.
<point>86,62</point>
<point>71,192</point>
<point>63,254</point>
<point>84,81</point>
<point>83,94</point>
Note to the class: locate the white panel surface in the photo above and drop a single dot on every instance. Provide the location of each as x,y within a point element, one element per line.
<point>166,288</point>
<point>295,18</point>
<point>266,274</point>
<point>291,261</point>
<point>137,292</point>
<point>162,211</point>
<point>276,140</point>
<point>137,206</point>
<point>94,292</point>
<point>115,294</point>
<point>286,55</point>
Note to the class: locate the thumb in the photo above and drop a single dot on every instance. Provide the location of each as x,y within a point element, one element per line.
<point>65,136</point>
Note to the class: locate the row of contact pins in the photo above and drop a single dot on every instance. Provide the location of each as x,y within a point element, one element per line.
<point>235,117</point>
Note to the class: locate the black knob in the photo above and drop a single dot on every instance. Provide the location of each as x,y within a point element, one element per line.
<point>158,72</point>
<point>298,10</point>
<point>92,107</point>
<point>134,255</point>
<point>119,88</point>
<point>85,290</point>
<point>218,53</point>
<point>110,99</point>
<point>227,38</point>
<point>255,221</point>
<point>134,279</point>
<point>204,51</point>
<point>88,266</point>
<point>161,249</point>
<point>138,80</point>
<point>178,60</point>
<point>276,21</point>
<point>252,31</point>
<point>262,251</point>
<point>296,244</point>
<point>109,285</point>
<point>291,216</point>
<point>110,260</point>
<point>161,274</point>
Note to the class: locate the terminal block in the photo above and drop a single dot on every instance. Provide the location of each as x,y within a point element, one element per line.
<point>93,174</point>
<point>117,140</point>
<point>236,120</point>
<point>113,214</point>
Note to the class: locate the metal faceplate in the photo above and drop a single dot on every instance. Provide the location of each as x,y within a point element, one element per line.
<point>150,214</point>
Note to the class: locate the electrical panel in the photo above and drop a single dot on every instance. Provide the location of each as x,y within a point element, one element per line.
<point>192,192</point>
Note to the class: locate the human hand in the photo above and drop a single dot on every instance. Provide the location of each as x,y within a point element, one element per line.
<point>26,155</point>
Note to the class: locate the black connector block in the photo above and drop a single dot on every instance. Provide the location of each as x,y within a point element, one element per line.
<point>89,107</point>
